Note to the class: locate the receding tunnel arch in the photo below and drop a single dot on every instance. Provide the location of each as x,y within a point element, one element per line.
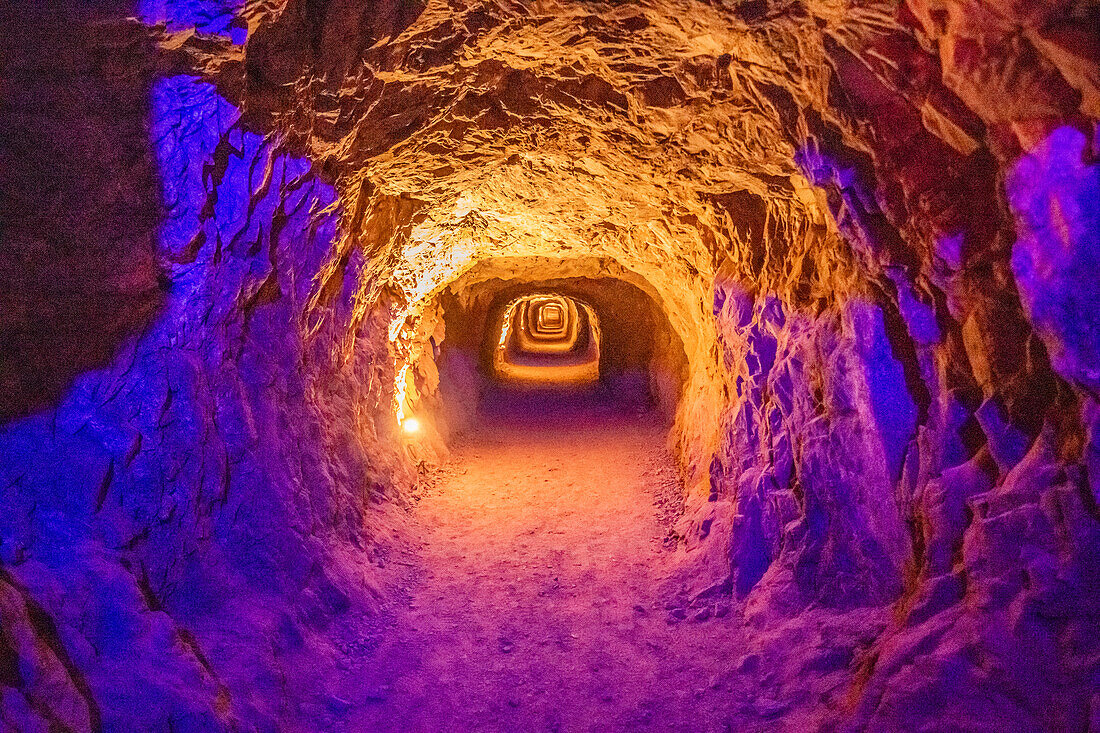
<point>637,348</point>
<point>547,339</point>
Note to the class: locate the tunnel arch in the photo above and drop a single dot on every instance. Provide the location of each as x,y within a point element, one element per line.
<point>457,345</point>
<point>528,348</point>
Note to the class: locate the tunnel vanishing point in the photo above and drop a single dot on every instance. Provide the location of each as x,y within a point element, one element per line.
<point>550,365</point>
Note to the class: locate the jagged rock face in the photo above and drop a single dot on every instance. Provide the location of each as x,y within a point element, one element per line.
<point>867,226</point>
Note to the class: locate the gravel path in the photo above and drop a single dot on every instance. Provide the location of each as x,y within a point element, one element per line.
<point>537,604</point>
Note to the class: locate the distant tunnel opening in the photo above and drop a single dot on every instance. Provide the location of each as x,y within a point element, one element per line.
<point>600,335</point>
<point>545,339</point>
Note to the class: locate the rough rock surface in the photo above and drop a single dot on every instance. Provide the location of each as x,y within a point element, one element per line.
<point>872,225</point>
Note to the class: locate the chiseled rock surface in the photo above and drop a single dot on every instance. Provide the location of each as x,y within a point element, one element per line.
<point>869,224</point>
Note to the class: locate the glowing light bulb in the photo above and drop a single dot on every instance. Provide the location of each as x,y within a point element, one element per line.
<point>411,425</point>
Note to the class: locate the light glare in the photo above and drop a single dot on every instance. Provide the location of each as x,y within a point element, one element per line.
<point>411,425</point>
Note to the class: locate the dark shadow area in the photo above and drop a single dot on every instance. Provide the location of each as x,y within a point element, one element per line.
<point>563,407</point>
<point>80,196</point>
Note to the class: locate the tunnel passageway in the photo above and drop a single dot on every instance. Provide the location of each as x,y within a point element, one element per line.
<point>535,602</point>
<point>545,338</point>
<point>283,285</point>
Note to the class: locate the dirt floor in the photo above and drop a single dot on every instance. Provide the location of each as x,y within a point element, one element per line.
<point>536,602</point>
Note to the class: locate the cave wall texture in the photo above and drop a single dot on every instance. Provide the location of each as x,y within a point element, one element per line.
<point>227,229</point>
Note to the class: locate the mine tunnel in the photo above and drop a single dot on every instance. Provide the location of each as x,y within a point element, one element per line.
<point>497,336</point>
<point>547,338</point>
<point>561,366</point>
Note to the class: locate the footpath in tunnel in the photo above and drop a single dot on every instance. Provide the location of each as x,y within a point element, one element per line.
<point>536,601</point>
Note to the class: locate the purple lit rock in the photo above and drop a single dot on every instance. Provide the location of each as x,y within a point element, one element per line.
<point>1055,194</point>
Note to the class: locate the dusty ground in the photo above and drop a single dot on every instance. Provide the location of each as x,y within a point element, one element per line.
<point>537,603</point>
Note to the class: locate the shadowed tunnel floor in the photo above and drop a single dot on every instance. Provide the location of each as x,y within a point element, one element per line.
<point>536,604</point>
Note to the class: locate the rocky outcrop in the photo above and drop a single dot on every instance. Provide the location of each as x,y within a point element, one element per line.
<point>196,513</point>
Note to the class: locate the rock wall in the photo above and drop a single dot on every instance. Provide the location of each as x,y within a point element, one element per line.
<point>81,203</point>
<point>872,226</point>
<point>183,529</point>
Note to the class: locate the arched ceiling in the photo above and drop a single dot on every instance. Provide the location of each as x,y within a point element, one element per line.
<point>647,132</point>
